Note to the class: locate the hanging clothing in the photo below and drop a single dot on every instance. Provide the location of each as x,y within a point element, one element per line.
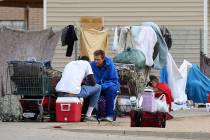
<point>145,39</point>
<point>130,43</point>
<point>122,40</point>
<point>92,40</point>
<point>198,85</point>
<point>167,36</point>
<point>205,64</point>
<point>164,75</point>
<point>115,39</point>
<point>125,39</point>
<point>161,59</point>
<point>92,22</point>
<point>177,78</point>
<point>68,37</point>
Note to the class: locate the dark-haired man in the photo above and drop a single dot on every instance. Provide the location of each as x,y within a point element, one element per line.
<point>70,84</point>
<point>106,75</point>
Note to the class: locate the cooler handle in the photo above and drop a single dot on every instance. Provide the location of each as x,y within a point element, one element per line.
<point>65,109</point>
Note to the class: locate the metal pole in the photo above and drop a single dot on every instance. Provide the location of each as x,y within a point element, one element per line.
<point>26,17</point>
<point>201,45</point>
<point>201,41</point>
<point>205,28</point>
<point>44,14</point>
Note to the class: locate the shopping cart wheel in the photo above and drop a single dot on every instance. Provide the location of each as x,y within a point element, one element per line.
<point>40,118</point>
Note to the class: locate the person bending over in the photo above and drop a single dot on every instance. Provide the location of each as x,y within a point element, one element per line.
<point>70,84</point>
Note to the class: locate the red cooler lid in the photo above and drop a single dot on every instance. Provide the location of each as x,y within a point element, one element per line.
<point>69,100</point>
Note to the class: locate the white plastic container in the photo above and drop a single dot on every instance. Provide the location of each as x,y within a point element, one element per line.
<point>148,103</point>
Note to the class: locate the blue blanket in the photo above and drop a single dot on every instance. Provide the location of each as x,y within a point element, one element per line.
<point>198,85</point>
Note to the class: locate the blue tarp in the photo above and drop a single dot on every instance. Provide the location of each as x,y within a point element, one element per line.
<point>198,85</point>
<point>164,75</point>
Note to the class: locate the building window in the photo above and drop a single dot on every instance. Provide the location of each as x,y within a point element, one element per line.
<point>19,25</point>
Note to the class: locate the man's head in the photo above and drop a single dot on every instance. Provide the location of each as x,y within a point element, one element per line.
<point>153,81</point>
<point>99,57</point>
<point>86,58</point>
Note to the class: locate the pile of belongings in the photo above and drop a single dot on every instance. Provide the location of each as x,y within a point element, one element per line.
<point>187,83</point>
<point>131,80</point>
<point>145,45</point>
<point>20,45</point>
<point>198,85</point>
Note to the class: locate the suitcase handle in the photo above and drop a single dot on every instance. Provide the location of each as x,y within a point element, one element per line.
<point>65,109</point>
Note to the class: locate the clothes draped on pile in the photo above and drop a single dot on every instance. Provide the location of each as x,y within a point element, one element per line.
<point>92,40</point>
<point>205,64</point>
<point>197,87</point>
<point>68,37</point>
<point>177,78</point>
<point>148,38</point>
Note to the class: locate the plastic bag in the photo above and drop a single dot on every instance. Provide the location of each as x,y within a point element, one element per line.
<point>131,56</point>
<point>161,104</point>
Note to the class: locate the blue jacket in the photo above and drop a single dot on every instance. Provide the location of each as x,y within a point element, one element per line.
<point>107,75</point>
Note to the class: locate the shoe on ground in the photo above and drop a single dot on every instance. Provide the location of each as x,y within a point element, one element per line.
<point>108,119</point>
<point>89,119</point>
<point>101,119</point>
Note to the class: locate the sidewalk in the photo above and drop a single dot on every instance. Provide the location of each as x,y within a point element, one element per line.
<point>187,124</point>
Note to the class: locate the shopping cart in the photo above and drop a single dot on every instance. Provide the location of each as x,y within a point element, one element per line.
<point>131,84</point>
<point>30,80</point>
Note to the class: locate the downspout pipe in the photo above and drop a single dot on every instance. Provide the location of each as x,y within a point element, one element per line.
<point>205,28</point>
<point>45,14</point>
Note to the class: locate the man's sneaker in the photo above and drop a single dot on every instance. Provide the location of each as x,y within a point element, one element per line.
<point>101,119</point>
<point>109,119</point>
<point>88,119</point>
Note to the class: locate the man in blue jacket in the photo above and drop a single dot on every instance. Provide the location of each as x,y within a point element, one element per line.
<point>106,75</point>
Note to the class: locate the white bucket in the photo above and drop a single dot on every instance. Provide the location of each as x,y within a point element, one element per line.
<point>208,107</point>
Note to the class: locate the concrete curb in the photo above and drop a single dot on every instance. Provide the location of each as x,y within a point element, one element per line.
<point>183,135</point>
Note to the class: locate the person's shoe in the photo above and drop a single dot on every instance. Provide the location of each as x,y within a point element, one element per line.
<point>89,119</point>
<point>101,118</point>
<point>108,119</point>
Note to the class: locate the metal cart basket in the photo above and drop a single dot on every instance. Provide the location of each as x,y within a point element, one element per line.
<point>31,81</point>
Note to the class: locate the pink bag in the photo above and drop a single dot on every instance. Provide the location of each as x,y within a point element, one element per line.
<point>149,103</point>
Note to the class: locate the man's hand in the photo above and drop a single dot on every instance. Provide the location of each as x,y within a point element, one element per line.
<point>91,80</point>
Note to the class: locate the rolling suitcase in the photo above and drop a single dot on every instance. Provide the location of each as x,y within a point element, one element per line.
<point>141,118</point>
<point>150,119</point>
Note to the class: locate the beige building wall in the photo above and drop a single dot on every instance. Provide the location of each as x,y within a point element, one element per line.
<point>209,29</point>
<point>35,19</point>
<point>35,16</point>
<point>183,17</point>
<point>8,13</point>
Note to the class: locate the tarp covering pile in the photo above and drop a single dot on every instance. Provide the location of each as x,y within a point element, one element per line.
<point>21,45</point>
<point>198,85</point>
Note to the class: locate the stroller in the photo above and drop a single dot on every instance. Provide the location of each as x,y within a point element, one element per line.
<point>31,81</point>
